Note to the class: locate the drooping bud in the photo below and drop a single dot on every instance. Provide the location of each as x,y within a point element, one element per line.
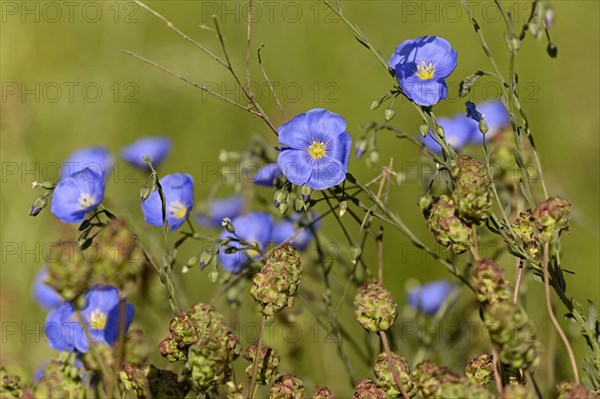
<point>480,370</point>
<point>385,378</point>
<point>472,194</point>
<point>273,288</point>
<point>571,390</point>
<point>447,228</point>
<point>323,393</point>
<point>551,217</point>
<point>360,147</point>
<point>268,362</point>
<point>388,114</point>
<point>430,378</point>
<point>510,331</point>
<point>488,282</point>
<point>368,389</point>
<point>374,307</point>
<point>287,387</point>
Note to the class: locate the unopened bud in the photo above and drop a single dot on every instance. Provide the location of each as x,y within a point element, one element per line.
<point>375,104</point>
<point>144,193</point>
<point>388,114</point>
<point>440,131</point>
<point>355,251</point>
<point>374,156</point>
<point>213,276</point>
<point>306,191</point>
<point>424,130</point>
<point>483,126</point>
<point>39,204</point>
<point>343,207</point>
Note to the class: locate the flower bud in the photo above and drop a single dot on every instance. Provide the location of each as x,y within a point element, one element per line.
<point>483,126</point>
<point>424,130</point>
<point>360,148</point>
<point>425,202</point>
<point>306,191</point>
<point>388,114</point>
<point>287,387</point>
<point>374,157</point>
<point>144,193</point>
<point>38,204</point>
<point>355,251</point>
<point>374,307</point>
<point>343,207</point>
<point>375,104</point>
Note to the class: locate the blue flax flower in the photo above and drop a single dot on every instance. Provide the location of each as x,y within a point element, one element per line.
<point>179,197</point>
<point>267,175</point>
<point>156,148</point>
<point>255,228</point>
<point>458,131</point>
<point>96,158</point>
<point>45,295</point>
<point>421,65</point>
<point>317,148</point>
<point>100,314</point>
<point>283,230</point>
<point>493,113</point>
<point>428,298</point>
<point>219,209</point>
<point>76,195</point>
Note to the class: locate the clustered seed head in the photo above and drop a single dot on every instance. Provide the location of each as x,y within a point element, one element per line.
<point>480,370</point>
<point>268,362</point>
<point>287,387</point>
<point>10,385</point>
<point>121,262</point>
<point>323,393</point>
<point>447,228</point>
<point>69,272</point>
<point>274,286</point>
<point>151,382</point>
<point>430,378</point>
<point>201,337</point>
<point>374,307</point>
<point>508,326</point>
<point>524,227</point>
<point>472,195</point>
<point>61,379</point>
<point>571,390</point>
<point>488,281</point>
<point>551,217</point>
<point>368,389</point>
<point>385,378</point>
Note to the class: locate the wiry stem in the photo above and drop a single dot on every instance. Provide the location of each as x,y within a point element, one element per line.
<point>390,360</point>
<point>553,318</point>
<point>256,357</point>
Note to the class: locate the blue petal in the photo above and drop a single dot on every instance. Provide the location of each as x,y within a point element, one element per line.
<point>61,329</point>
<point>295,133</point>
<point>267,175</point>
<point>65,198</point>
<point>496,117</point>
<point>326,172</point>
<point>402,53</point>
<point>445,65</point>
<point>430,297</point>
<point>157,148</point>
<point>97,159</point>
<point>284,229</point>
<point>295,165</point>
<point>111,331</point>
<point>229,207</point>
<point>424,92</point>
<point>324,125</point>
<point>341,151</point>
<point>176,187</point>
<point>45,295</point>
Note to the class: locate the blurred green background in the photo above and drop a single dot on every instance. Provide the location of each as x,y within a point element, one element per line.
<point>66,84</point>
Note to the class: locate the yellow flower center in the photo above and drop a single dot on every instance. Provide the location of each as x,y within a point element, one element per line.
<point>317,150</point>
<point>177,209</point>
<point>425,71</point>
<point>86,200</point>
<point>98,319</point>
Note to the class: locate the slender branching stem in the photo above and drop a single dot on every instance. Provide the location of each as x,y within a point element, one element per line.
<point>261,328</point>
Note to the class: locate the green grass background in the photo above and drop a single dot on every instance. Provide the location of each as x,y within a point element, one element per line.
<point>304,48</point>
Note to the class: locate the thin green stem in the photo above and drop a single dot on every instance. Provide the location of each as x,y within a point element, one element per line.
<point>251,390</point>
